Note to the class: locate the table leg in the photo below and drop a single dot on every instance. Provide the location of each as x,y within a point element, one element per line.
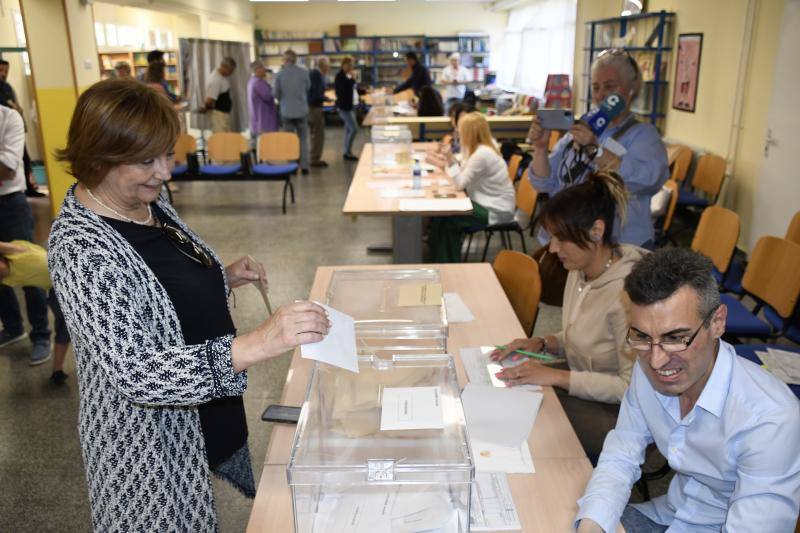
<point>407,239</point>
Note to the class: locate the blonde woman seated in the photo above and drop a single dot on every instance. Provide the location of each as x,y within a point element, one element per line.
<point>483,174</point>
<point>595,312</point>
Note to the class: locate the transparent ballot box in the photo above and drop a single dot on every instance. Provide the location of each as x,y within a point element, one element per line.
<point>347,475</point>
<point>391,150</point>
<point>378,301</point>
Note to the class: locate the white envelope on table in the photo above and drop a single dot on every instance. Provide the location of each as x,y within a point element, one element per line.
<point>338,348</point>
<point>499,416</point>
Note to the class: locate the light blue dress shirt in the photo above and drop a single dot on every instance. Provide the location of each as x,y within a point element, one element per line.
<point>644,169</point>
<point>736,454</point>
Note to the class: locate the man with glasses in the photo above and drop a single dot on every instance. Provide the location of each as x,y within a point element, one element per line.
<point>729,429</point>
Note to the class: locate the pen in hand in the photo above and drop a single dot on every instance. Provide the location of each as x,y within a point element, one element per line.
<point>534,355</point>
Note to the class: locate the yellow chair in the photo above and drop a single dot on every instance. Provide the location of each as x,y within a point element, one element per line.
<point>278,153</point>
<point>793,231</point>
<point>706,182</point>
<point>518,274</point>
<point>513,167</point>
<point>185,148</point>
<point>716,236</point>
<point>679,163</point>
<point>225,152</point>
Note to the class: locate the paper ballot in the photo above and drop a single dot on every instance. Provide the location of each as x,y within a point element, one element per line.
<point>491,457</point>
<point>419,294</point>
<point>481,370</point>
<point>411,408</point>
<point>492,506</point>
<point>402,193</point>
<point>436,204</point>
<point>404,183</point>
<point>457,310</point>
<point>338,348</point>
<point>783,364</point>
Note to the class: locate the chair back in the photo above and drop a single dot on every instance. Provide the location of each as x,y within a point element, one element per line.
<point>185,145</point>
<point>555,135</point>
<point>793,231</point>
<point>226,147</point>
<point>716,236</point>
<point>773,274</point>
<point>526,196</point>
<point>518,274</point>
<point>709,174</point>
<point>673,202</point>
<point>681,163</point>
<point>278,146</point>
<point>513,166</point>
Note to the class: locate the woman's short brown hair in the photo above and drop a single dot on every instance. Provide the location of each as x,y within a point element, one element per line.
<point>117,122</point>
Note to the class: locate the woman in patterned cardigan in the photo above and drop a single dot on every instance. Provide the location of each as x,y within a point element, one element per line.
<point>161,369</point>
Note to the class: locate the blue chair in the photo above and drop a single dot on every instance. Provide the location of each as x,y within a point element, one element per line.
<point>716,237</point>
<point>185,149</point>
<point>772,279</point>
<point>225,154</point>
<point>706,183</point>
<point>277,156</point>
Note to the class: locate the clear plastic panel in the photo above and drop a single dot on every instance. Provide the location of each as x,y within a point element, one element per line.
<point>391,150</point>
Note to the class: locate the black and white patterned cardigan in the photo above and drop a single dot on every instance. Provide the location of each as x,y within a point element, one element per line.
<point>140,384</point>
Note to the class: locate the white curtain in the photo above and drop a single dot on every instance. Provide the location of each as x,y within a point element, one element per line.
<point>199,57</point>
<point>539,40</point>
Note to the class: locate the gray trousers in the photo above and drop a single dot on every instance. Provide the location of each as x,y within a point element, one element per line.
<point>316,122</point>
<point>299,126</point>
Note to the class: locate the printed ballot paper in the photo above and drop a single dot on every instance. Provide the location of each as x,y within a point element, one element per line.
<point>419,294</point>
<point>492,507</point>
<point>481,370</point>
<point>411,408</point>
<point>338,348</point>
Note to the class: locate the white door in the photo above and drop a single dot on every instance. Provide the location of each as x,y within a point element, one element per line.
<point>778,190</point>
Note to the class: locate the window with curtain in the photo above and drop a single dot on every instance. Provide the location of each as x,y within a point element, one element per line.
<point>539,40</point>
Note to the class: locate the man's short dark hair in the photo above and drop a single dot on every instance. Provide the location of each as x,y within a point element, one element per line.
<point>662,273</point>
<point>229,62</point>
<point>412,56</point>
<point>155,55</point>
<point>3,62</point>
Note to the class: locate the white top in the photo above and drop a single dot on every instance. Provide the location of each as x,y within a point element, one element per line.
<point>216,85</point>
<point>484,176</point>
<point>449,75</point>
<point>12,142</point>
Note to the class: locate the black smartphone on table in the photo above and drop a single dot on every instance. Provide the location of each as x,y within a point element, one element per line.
<point>283,414</point>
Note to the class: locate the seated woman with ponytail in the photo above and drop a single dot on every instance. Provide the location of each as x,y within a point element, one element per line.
<point>594,316</point>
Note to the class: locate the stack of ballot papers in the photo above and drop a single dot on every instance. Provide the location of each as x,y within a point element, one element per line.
<point>498,423</point>
<point>457,310</point>
<point>492,507</point>
<point>782,364</point>
<point>481,370</point>
<point>442,204</point>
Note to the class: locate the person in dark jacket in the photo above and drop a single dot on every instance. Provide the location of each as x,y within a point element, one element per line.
<point>345,85</point>
<point>419,78</point>
<point>316,113</point>
<point>430,103</point>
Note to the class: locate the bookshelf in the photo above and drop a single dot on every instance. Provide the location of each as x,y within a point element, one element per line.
<point>138,62</point>
<point>648,39</point>
<point>379,59</point>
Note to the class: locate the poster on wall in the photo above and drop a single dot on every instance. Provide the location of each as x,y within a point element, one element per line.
<point>687,70</point>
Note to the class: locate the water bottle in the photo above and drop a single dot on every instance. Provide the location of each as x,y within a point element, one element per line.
<point>416,181</point>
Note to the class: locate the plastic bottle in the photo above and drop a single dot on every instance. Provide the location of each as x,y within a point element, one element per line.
<point>416,181</point>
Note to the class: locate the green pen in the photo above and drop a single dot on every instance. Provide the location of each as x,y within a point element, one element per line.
<point>534,355</point>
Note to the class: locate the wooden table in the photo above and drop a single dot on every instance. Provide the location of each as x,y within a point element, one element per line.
<point>546,500</point>
<point>406,225</point>
<point>503,127</point>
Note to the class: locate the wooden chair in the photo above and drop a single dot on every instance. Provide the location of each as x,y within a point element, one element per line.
<point>513,167</point>
<point>680,163</point>
<point>772,279</point>
<point>185,148</point>
<point>555,135</point>
<point>518,274</point>
<point>716,237</point>
<point>526,197</point>
<point>706,182</point>
<point>277,155</point>
<point>793,231</point>
<point>225,152</point>
<point>663,232</point>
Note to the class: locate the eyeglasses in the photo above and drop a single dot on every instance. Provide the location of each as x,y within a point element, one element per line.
<point>622,52</point>
<point>643,343</point>
<point>180,240</point>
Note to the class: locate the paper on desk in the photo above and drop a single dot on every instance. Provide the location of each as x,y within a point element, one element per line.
<point>338,348</point>
<point>419,294</point>
<point>490,457</point>
<point>411,408</point>
<point>499,416</point>
<point>782,364</point>
<point>402,193</point>
<point>492,506</point>
<point>404,183</point>
<point>438,204</point>
<point>481,370</point>
<point>457,310</point>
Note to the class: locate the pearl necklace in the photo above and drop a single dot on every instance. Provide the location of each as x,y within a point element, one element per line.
<point>582,285</point>
<point>120,215</point>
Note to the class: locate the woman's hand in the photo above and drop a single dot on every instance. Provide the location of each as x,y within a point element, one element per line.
<point>290,326</point>
<point>538,136</point>
<point>583,134</point>
<point>530,372</point>
<point>436,159</point>
<point>534,344</point>
<point>245,270</point>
